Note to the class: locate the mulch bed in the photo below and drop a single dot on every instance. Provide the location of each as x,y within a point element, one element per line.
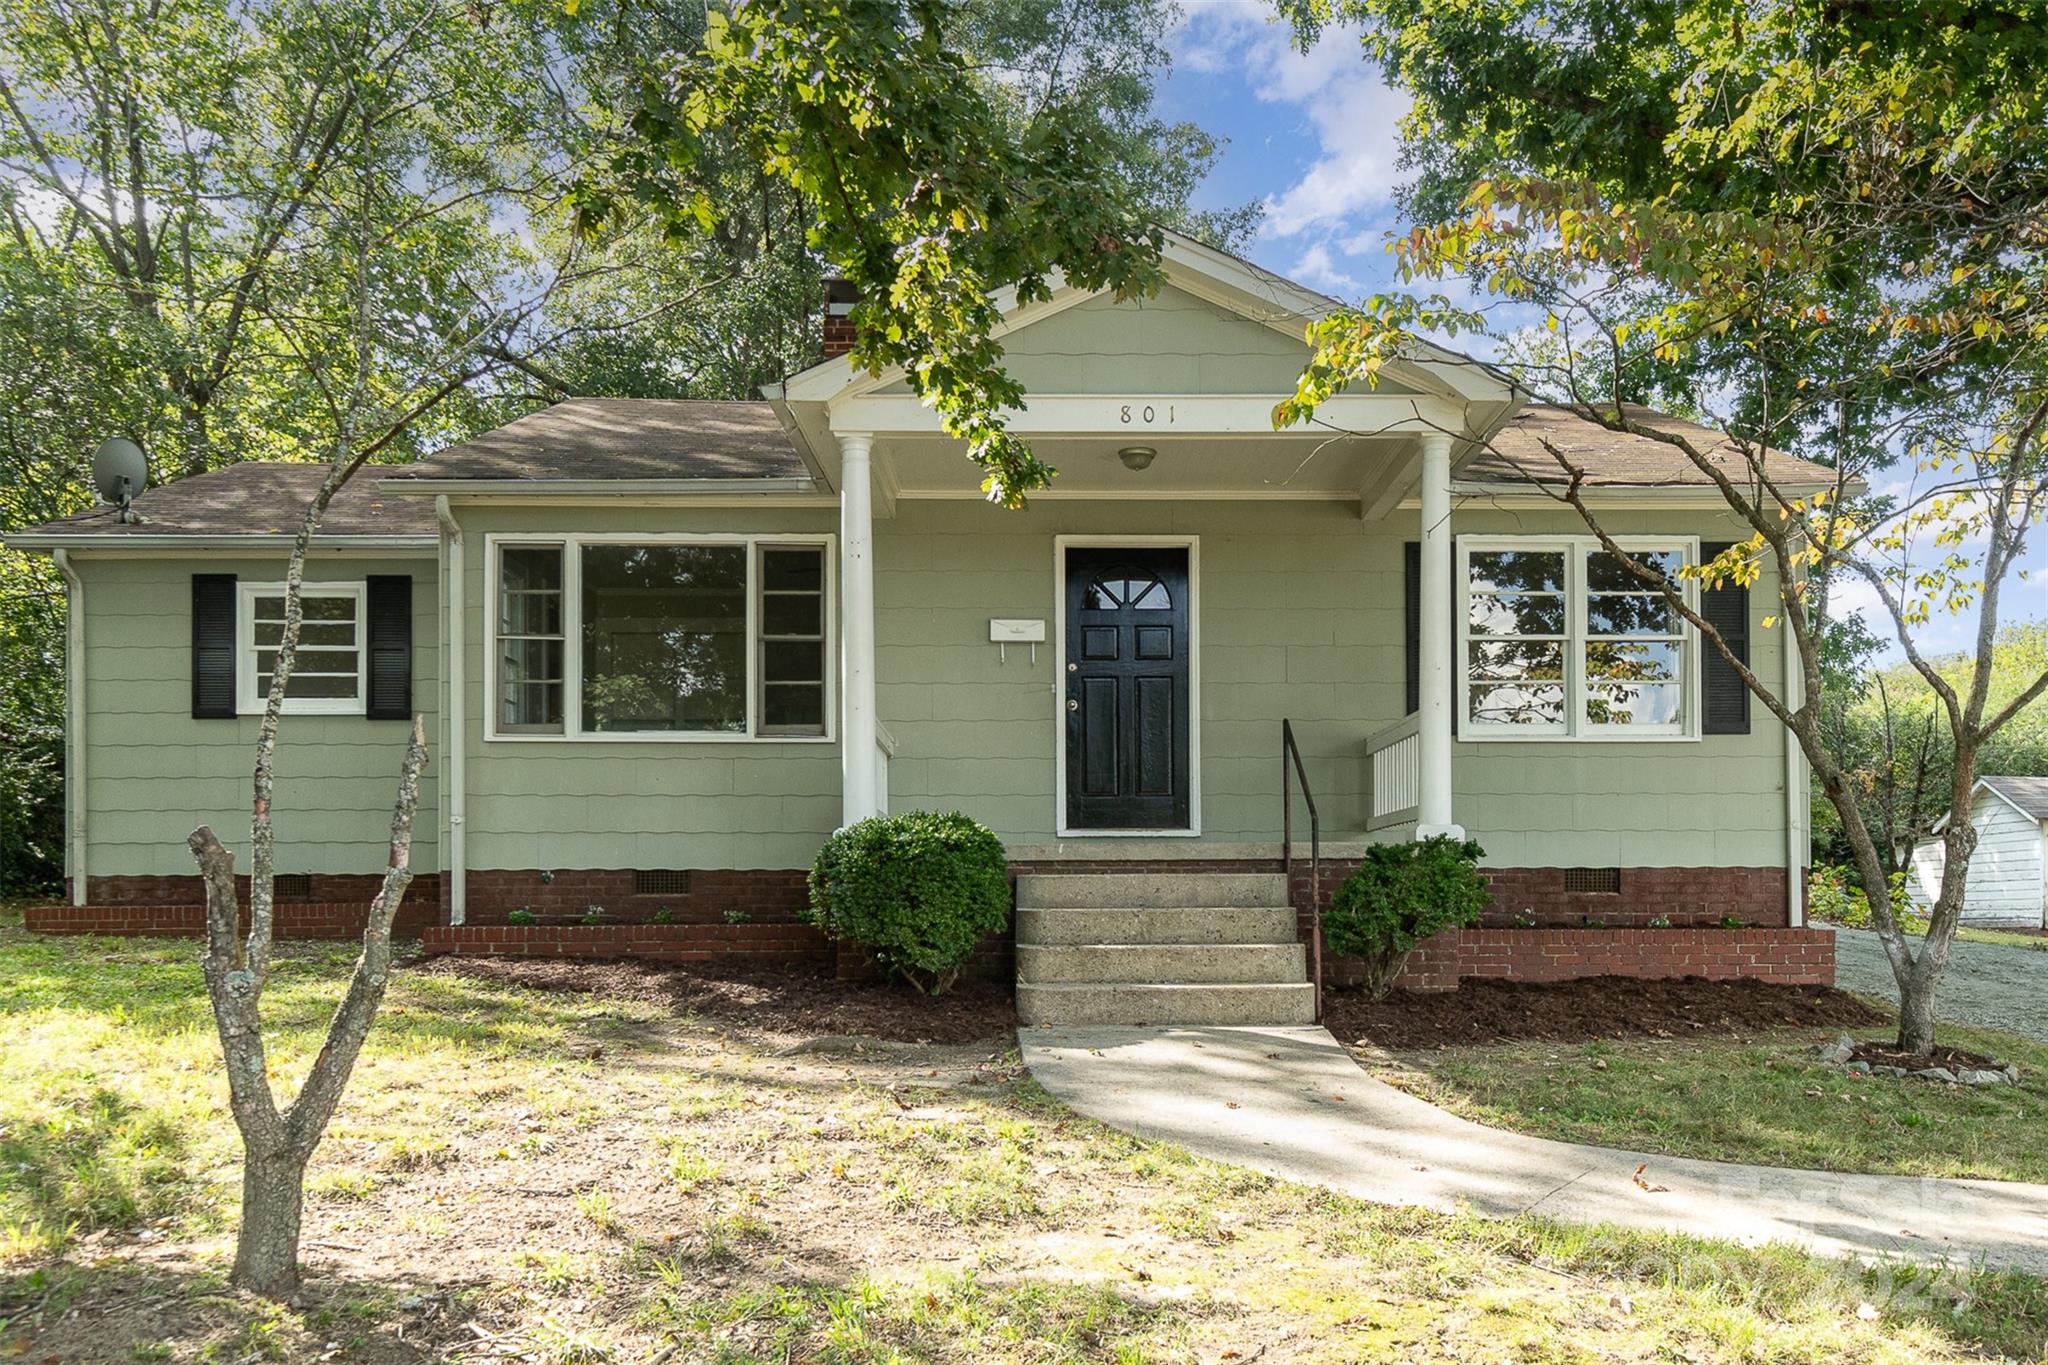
<point>772,1001</point>
<point>1600,1007</point>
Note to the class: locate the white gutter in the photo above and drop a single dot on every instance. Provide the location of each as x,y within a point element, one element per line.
<point>454,730</point>
<point>75,805</point>
<point>621,488</point>
<point>254,541</point>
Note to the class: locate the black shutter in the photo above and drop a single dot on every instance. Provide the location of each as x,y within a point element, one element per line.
<point>388,637</point>
<point>1411,620</point>
<point>1724,707</point>
<point>213,646</point>
<point>1411,624</point>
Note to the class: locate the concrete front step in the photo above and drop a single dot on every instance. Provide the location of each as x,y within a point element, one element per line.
<point>1163,963</point>
<point>1124,1003</point>
<point>1184,924</point>
<point>1149,890</point>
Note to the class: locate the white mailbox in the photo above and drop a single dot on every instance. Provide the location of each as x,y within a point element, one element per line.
<point>1010,632</point>
<point>1006,631</point>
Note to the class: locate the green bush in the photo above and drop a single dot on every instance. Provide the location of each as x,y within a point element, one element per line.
<point>1834,894</point>
<point>917,890</point>
<point>1399,896</point>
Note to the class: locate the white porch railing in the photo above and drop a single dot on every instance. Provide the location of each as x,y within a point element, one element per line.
<point>885,749</point>
<point>1396,756</point>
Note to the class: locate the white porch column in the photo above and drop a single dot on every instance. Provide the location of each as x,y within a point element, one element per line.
<point>857,744</point>
<point>1436,640</point>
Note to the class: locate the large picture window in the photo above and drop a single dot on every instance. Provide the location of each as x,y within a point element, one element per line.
<point>1557,638</point>
<point>327,671</point>
<point>660,638</point>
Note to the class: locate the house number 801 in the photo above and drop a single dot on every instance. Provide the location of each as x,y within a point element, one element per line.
<point>1146,414</point>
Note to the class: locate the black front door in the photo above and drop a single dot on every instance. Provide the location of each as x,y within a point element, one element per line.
<point>1127,688</point>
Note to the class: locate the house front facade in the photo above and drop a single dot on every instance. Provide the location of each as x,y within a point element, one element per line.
<point>664,649</point>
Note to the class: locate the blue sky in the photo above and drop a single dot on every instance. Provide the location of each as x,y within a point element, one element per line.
<point>1314,137</point>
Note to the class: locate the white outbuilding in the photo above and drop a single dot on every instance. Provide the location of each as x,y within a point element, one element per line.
<point>2009,872</point>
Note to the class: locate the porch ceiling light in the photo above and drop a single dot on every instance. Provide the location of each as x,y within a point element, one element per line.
<point>1136,457</point>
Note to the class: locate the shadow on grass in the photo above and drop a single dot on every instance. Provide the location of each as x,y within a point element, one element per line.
<point>120,1310</point>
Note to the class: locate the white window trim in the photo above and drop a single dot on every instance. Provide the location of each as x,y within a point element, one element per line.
<point>571,545</point>
<point>246,703</point>
<point>1575,729</point>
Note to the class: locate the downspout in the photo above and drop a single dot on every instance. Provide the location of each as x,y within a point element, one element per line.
<point>1798,804</point>
<point>75,804</point>
<point>455,734</point>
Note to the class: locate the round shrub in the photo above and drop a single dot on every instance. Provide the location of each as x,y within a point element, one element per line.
<point>1399,896</point>
<point>917,890</point>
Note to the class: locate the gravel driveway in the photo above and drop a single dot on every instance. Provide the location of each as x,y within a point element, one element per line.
<point>2005,988</point>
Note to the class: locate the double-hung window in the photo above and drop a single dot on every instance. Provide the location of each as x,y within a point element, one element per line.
<point>1560,639</point>
<point>327,669</point>
<point>660,638</point>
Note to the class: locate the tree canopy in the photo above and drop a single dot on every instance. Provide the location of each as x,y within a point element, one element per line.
<point>1821,226</point>
<point>171,268</point>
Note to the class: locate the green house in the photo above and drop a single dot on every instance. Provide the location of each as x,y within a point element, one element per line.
<point>664,648</point>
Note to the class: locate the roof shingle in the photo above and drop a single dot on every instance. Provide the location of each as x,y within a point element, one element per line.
<point>624,438</point>
<point>2030,794</point>
<point>1521,452</point>
<point>253,499</point>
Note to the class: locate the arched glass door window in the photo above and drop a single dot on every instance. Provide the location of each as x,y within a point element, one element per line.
<point>1126,588</point>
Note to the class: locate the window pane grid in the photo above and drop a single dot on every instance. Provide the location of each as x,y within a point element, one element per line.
<point>326,666</point>
<point>1561,637</point>
<point>715,639</point>
<point>1516,639</point>
<point>531,643</point>
<point>792,641</point>
<point>1633,657</point>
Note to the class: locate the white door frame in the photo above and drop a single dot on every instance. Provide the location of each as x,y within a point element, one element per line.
<point>1193,545</point>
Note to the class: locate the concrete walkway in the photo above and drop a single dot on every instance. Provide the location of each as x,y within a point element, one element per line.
<point>1292,1103</point>
<point>1986,984</point>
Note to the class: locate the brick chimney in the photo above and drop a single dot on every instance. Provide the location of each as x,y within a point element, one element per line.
<point>840,296</point>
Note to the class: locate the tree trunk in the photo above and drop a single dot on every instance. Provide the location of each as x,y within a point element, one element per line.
<point>267,1245</point>
<point>1916,1011</point>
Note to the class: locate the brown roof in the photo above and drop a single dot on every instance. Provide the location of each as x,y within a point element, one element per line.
<point>625,438</point>
<point>677,439</point>
<point>1522,452</point>
<point>253,498</point>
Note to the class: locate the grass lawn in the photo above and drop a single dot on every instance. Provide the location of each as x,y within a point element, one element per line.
<point>1763,1098</point>
<point>2006,938</point>
<point>564,1177</point>
<point>2031,939</point>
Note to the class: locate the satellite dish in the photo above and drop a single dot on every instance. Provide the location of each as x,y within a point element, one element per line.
<point>119,472</point>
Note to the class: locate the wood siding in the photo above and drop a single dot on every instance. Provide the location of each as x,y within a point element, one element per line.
<point>2005,883</point>
<point>154,772</point>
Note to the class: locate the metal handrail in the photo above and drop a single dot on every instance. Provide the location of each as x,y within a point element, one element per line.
<point>1290,752</point>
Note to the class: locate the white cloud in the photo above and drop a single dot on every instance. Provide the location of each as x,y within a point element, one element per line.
<point>1346,109</point>
<point>1319,270</point>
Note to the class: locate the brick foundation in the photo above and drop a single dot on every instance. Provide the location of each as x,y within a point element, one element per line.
<point>344,919</point>
<point>565,896</point>
<point>753,916</point>
<point>1803,957</point>
<point>1687,896</point>
<point>327,888</point>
